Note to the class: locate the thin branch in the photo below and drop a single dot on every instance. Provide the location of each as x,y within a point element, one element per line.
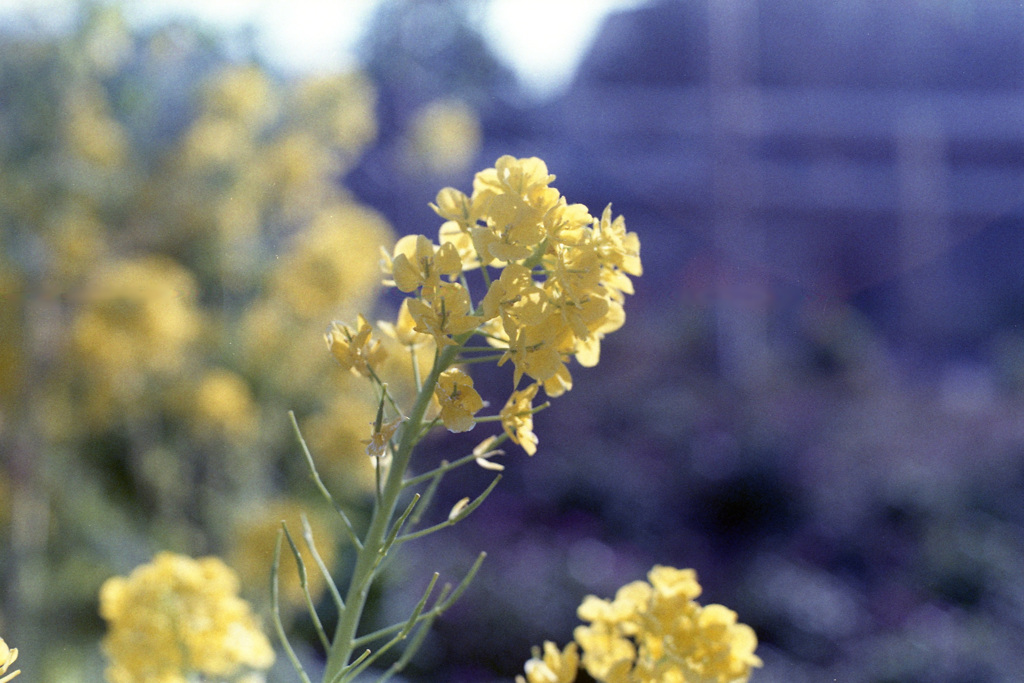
<point>320,484</point>
<point>463,585</point>
<point>397,527</point>
<point>454,520</point>
<point>404,627</point>
<point>446,466</point>
<point>307,535</point>
<point>347,672</point>
<point>276,611</point>
<point>304,583</point>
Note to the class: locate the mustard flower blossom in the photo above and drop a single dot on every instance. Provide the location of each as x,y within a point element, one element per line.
<point>553,665</point>
<point>403,330</point>
<point>418,263</point>
<point>517,418</point>
<point>453,233</point>
<point>354,349</point>
<point>377,444</point>
<point>655,631</point>
<point>7,657</point>
<point>458,399</point>
<point>176,618</point>
<point>514,197</point>
<point>455,206</point>
<point>445,314</point>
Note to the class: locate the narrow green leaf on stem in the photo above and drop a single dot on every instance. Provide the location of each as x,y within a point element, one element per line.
<point>307,536</point>
<point>447,466</point>
<point>320,484</point>
<point>347,673</point>
<point>406,627</point>
<point>304,584</point>
<point>419,607</point>
<point>402,628</point>
<point>416,378</point>
<point>464,584</point>
<point>276,611</point>
<point>465,512</point>
<point>397,527</point>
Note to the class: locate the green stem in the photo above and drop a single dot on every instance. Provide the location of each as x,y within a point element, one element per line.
<point>368,557</point>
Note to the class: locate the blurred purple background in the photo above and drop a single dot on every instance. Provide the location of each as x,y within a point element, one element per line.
<point>816,401</point>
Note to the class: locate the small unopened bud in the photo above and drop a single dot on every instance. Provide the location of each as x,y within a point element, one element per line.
<point>458,508</point>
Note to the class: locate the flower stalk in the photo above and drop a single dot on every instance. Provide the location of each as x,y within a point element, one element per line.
<point>563,276</point>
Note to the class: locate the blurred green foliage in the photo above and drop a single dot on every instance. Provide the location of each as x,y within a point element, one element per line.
<point>175,240</point>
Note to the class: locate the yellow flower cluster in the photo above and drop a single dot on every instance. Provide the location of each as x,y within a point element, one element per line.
<point>178,617</point>
<point>7,657</point>
<point>564,272</point>
<point>563,279</point>
<point>653,632</point>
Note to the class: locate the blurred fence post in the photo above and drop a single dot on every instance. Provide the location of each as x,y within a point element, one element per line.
<point>738,232</point>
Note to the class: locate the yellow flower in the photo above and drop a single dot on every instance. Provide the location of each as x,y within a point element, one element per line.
<point>517,418</point>
<point>657,632</point>
<point>445,136</point>
<point>333,261</point>
<point>553,666</point>
<point>459,400</point>
<point>452,232</point>
<point>455,206</point>
<point>513,199</point>
<point>253,536</point>
<point>177,617</point>
<point>445,314</point>
<point>223,404</point>
<point>404,329</point>
<point>354,349</point>
<point>418,263</point>
<point>7,657</point>
<point>534,351</point>
<point>377,445</point>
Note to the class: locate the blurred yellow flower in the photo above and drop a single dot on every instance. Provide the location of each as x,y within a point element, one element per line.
<point>215,141</point>
<point>136,321</point>
<point>91,134</point>
<point>252,550</point>
<point>340,110</point>
<point>241,94</point>
<point>444,137</point>
<point>223,404</point>
<point>75,237</point>
<point>333,262</point>
<point>176,618</point>
<point>136,314</point>
<point>7,657</point>
<point>553,665</point>
<point>653,632</point>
